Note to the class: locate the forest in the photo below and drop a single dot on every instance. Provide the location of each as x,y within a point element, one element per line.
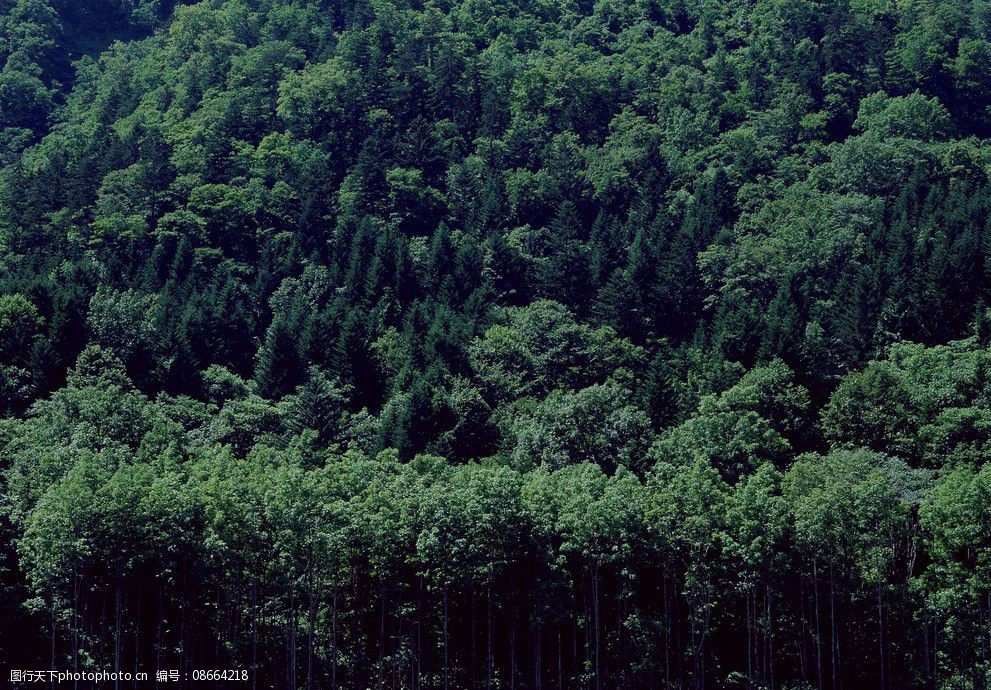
<point>497,344</point>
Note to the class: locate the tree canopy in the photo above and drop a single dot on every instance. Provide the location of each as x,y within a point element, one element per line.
<point>504,343</point>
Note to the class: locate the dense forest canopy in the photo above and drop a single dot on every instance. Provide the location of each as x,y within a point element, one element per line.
<point>498,343</point>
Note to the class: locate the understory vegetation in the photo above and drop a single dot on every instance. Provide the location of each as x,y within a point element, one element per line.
<point>546,344</point>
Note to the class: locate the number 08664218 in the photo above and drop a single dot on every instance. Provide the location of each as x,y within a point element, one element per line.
<point>224,674</point>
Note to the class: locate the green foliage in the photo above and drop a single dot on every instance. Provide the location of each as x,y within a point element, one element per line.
<point>913,116</point>
<point>20,324</point>
<point>873,409</point>
<point>541,347</point>
<point>597,424</point>
<point>516,344</point>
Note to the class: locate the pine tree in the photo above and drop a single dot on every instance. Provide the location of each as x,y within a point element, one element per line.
<point>318,404</point>
<point>280,366</point>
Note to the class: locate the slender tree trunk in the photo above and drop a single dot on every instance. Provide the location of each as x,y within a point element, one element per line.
<point>53,624</point>
<point>333,640</point>
<point>474,639</point>
<point>137,635</point>
<point>750,670</point>
<point>620,611</point>
<point>488,623</point>
<point>446,642</point>
<point>678,642</point>
<point>989,623</point>
<point>667,627</point>
<point>219,631</point>
<point>512,649</point>
<point>935,655</point>
<point>596,625</point>
<point>418,633</point>
<point>292,644</point>
<point>101,627</point>
<point>311,622</point>
<point>254,633</point>
<point>837,684</point>
<point>75,625</point>
<point>158,632</point>
<point>118,616</point>
<point>815,585</point>
<point>183,654</point>
<point>880,635</point>
<point>537,657</point>
<point>803,661</point>
<point>769,633</point>
<point>574,644</point>
<point>381,645</point>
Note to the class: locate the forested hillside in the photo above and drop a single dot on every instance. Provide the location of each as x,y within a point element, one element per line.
<point>538,344</point>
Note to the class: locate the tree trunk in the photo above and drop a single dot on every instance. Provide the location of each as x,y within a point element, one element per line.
<point>381,642</point>
<point>311,622</point>
<point>446,642</point>
<point>474,639</point>
<point>803,661</point>
<point>158,632</point>
<point>333,641</point>
<point>769,633</point>
<point>537,657</point>
<point>512,649</point>
<point>837,684</point>
<point>880,635</point>
<point>815,585</point>
<point>137,635</point>
<point>488,623</point>
<point>596,625</point>
<point>750,670</point>
<point>118,616</point>
<point>667,626</point>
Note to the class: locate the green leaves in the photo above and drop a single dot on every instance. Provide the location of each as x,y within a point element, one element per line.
<point>538,348</point>
<point>598,425</point>
<point>913,117</point>
<point>672,295</point>
<point>20,324</point>
<point>318,100</point>
<point>473,526</point>
<point>873,409</point>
